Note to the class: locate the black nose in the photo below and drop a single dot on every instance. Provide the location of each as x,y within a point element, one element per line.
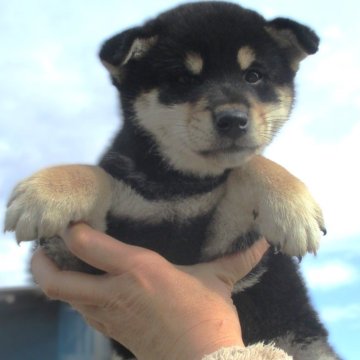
<point>231,123</point>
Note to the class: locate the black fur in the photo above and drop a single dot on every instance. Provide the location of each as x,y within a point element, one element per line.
<point>146,172</point>
<point>179,243</point>
<point>278,305</point>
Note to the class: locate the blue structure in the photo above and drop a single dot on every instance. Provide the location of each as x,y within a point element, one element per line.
<point>35,328</point>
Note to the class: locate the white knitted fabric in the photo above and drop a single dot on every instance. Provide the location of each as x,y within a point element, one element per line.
<point>258,351</point>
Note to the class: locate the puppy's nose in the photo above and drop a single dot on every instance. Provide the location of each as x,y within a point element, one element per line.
<point>231,123</point>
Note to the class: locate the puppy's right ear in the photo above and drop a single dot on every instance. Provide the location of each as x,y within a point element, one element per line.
<point>124,47</point>
<point>299,40</point>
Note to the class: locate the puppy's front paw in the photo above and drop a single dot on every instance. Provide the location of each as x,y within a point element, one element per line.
<point>47,202</point>
<point>293,224</point>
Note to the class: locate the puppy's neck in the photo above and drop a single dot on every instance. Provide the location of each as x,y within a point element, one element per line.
<point>135,159</point>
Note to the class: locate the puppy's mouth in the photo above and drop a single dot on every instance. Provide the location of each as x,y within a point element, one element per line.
<point>230,149</point>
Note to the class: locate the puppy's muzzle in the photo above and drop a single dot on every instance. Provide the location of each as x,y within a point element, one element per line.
<point>231,123</point>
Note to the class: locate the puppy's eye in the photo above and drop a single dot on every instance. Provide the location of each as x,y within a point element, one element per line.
<point>253,76</point>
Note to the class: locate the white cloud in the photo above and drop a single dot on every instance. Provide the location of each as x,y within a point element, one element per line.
<point>331,314</point>
<point>338,75</point>
<point>330,275</point>
<point>14,262</point>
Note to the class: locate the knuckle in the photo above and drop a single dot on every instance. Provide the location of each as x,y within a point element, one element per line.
<point>143,277</point>
<point>79,240</point>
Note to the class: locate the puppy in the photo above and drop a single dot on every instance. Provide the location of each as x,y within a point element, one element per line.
<point>204,88</point>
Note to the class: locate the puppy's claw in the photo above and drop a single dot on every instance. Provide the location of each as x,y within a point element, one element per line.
<point>323,230</point>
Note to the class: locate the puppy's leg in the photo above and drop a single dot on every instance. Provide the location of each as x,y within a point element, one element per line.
<point>262,198</point>
<point>285,213</point>
<point>44,204</point>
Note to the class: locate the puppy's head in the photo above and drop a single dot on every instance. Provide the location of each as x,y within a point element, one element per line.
<point>211,83</point>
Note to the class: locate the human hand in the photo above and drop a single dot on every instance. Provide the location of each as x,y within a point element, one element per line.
<point>146,303</point>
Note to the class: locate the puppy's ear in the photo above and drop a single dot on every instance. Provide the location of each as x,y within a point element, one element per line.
<point>120,49</point>
<point>299,40</point>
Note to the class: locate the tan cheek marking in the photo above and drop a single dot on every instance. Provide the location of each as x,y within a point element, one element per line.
<point>199,111</point>
<point>280,110</point>
<point>257,114</point>
<point>270,117</point>
<point>286,96</point>
<point>158,118</point>
<point>194,63</point>
<point>245,57</point>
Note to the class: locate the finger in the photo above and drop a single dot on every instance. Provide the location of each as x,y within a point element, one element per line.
<point>234,267</point>
<point>69,286</point>
<point>101,250</point>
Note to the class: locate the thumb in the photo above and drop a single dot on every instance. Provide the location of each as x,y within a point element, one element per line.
<point>233,268</point>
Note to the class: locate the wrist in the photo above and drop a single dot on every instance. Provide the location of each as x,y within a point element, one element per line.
<point>206,338</point>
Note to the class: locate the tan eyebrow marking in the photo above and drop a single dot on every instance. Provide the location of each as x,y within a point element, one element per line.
<point>245,57</point>
<point>194,63</point>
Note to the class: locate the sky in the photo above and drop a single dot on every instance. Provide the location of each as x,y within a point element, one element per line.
<point>57,106</point>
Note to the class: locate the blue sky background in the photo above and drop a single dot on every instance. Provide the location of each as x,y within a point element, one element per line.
<point>57,106</point>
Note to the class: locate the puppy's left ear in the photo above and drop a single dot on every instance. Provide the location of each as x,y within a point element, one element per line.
<point>299,40</point>
<point>119,50</point>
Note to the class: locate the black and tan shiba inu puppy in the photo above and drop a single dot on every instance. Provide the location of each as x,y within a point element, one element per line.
<point>204,88</point>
